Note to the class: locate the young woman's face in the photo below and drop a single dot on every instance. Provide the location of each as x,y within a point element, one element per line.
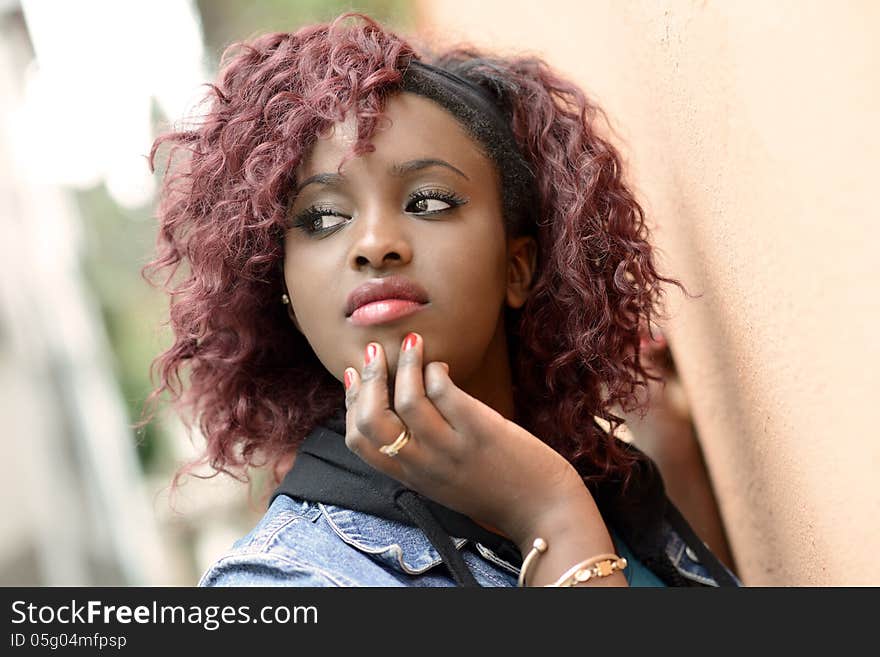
<point>425,206</point>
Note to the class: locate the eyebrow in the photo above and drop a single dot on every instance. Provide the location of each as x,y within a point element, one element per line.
<point>397,170</point>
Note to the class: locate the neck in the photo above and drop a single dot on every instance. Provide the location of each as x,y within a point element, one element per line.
<point>491,381</point>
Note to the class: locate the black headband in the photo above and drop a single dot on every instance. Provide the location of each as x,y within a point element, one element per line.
<point>477,109</point>
<point>467,91</point>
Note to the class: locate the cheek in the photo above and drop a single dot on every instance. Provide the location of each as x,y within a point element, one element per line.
<point>479,283</point>
<point>306,284</point>
<point>474,282</point>
<point>295,272</point>
<point>306,275</point>
<point>477,267</point>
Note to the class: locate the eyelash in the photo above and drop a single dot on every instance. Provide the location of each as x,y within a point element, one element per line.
<point>306,219</point>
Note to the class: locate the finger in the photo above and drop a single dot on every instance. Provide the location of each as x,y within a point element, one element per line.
<point>373,415</point>
<point>349,377</point>
<point>355,440</point>
<point>352,381</point>
<point>410,402</point>
<point>409,387</point>
<point>464,413</point>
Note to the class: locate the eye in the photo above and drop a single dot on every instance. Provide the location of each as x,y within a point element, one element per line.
<point>428,205</point>
<point>320,222</point>
<point>432,201</point>
<point>317,220</point>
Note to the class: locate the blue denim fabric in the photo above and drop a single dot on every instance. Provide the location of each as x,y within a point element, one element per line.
<point>303,543</point>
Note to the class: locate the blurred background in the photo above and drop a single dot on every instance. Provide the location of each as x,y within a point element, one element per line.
<point>85,86</point>
<point>750,132</point>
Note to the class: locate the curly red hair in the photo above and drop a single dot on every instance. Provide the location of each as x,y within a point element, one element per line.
<point>255,386</point>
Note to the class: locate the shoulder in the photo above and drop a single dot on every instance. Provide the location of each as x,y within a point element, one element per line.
<point>657,532</point>
<point>280,550</point>
<point>691,556</point>
<point>305,543</point>
<point>686,561</point>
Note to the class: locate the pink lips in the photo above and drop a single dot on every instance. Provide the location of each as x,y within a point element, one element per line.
<point>384,299</point>
<point>387,310</point>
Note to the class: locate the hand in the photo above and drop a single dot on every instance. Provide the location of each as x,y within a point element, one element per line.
<point>462,454</point>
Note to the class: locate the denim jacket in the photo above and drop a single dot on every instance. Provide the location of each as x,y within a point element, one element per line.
<point>311,541</point>
<point>304,543</point>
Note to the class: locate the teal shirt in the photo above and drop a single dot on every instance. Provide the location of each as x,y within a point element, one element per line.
<point>637,574</point>
<point>304,543</point>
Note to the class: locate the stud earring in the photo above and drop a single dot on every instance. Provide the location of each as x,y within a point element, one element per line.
<point>285,299</point>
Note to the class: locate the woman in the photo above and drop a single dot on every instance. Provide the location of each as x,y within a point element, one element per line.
<point>422,282</point>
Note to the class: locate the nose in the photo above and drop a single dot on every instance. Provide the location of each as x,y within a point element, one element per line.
<point>380,238</point>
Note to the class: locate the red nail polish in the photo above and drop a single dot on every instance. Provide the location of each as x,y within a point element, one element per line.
<point>409,341</point>
<point>347,378</point>
<point>371,353</point>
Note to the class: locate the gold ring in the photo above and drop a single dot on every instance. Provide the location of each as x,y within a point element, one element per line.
<point>397,445</point>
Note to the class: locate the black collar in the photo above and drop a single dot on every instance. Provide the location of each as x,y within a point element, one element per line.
<point>325,470</point>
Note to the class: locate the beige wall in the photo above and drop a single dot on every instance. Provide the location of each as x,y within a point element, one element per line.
<point>751,130</point>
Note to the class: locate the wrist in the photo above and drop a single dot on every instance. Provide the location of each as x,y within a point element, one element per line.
<point>564,512</point>
<point>571,545</point>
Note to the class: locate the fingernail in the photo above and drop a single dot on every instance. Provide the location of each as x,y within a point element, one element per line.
<point>446,365</point>
<point>347,378</point>
<point>372,350</point>
<point>410,341</point>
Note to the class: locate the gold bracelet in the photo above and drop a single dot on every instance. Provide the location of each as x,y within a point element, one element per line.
<point>602,565</point>
<point>538,547</point>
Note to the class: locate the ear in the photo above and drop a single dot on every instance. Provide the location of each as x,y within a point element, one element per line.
<point>522,260</point>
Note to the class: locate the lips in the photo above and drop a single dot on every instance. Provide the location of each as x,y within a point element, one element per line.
<point>385,289</point>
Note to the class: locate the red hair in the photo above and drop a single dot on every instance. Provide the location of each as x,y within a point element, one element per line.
<point>254,384</point>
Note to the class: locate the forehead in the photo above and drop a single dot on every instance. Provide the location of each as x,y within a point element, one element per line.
<point>412,127</point>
